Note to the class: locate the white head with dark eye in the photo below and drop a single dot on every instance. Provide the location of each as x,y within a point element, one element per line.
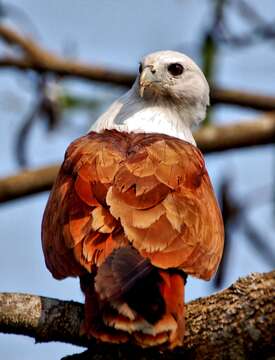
<point>173,77</point>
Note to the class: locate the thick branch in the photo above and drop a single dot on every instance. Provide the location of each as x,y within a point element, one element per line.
<point>236,323</point>
<point>38,59</point>
<point>209,139</point>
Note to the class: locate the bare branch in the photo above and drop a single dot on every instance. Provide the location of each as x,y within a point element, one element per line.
<point>31,49</point>
<point>42,318</point>
<point>242,98</point>
<point>42,61</point>
<point>236,323</point>
<point>27,182</point>
<point>209,139</point>
<point>237,135</point>
<point>64,67</point>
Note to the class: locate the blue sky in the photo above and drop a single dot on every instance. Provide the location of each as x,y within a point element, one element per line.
<point>117,34</point>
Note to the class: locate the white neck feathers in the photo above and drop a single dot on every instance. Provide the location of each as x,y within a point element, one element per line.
<point>131,113</point>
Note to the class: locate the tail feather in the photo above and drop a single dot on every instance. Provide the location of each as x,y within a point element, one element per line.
<point>173,293</point>
<point>137,302</point>
<point>120,272</point>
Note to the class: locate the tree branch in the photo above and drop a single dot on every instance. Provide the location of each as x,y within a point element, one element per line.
<point>237,323</point>
<point>27,182</point>
<point>38,59</point>
<point>237,135</point>
<point>64,67</point>
<point>209,139</point>
<point>242,98</point>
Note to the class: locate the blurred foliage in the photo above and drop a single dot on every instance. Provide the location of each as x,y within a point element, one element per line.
<point>69,101</point>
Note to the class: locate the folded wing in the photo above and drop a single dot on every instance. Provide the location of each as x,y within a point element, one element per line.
<point>148,190</point>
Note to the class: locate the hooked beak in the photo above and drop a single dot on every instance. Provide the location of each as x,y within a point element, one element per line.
<point>147,79</point>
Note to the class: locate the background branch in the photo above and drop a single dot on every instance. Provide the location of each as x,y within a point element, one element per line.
<point>27,182</point>
<point>38,59</point>
<point>236,323</point>
<point>237,135</point>
<point>242,98</point>
<point>64,67</point>
<point>209,139</point>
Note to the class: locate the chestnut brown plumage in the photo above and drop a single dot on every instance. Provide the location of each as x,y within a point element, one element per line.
<point>126,210</point>
<point>132,211</point>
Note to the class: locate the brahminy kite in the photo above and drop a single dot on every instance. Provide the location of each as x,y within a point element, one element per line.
<point>133,211</point>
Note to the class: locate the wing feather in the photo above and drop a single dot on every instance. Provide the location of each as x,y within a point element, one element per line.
<point>189,232</point>
<point>149,190</point>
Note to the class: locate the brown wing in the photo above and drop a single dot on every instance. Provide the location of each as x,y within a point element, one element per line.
<point>78,230</point>
<point>150,187</point>
<point>165,202</point>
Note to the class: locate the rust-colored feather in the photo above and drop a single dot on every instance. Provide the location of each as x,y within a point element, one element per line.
<point>147,191</point>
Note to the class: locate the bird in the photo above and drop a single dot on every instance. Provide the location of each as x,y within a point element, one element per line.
<point>133,212</point>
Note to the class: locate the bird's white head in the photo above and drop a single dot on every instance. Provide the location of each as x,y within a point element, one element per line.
<point>172,77</point>
<point>170,95</point>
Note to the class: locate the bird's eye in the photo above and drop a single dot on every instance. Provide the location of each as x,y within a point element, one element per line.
<point>175,69</point>
<point>140,68</point>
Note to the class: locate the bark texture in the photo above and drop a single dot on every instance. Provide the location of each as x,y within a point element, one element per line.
<point>237,323</point>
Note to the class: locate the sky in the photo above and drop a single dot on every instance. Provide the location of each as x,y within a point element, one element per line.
<point>117,34</point>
